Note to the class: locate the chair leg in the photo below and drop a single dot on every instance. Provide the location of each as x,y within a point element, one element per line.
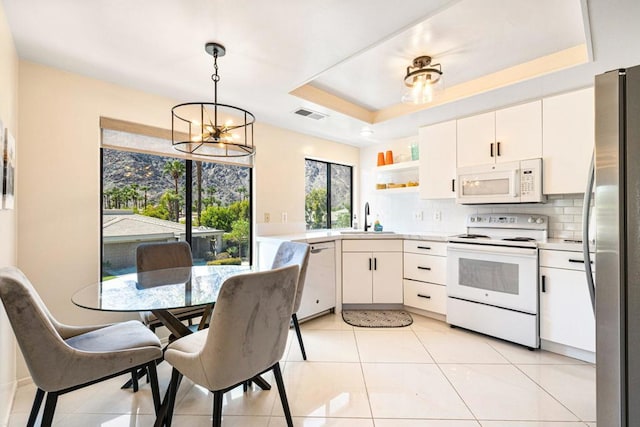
<point>176,376</point>
<point>134,380</point>
<point>49,409</point>
<point>217,408</point>
<point>283,394</point>
<point>152,376</point>
<point>296,326</point>
<point>37,402</point>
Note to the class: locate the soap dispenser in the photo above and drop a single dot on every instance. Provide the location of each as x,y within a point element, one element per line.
<point>376,225</point>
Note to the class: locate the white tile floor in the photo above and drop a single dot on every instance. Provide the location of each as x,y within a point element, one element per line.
<point>424,375</point>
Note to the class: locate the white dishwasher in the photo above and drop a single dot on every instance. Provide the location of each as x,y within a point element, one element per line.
<point>319,294</point>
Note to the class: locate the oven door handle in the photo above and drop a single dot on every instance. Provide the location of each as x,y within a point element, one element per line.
<point>484,249</point>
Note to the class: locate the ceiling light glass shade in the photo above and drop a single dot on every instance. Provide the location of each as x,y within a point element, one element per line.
<point>421,80</point>
<point>209,128</point>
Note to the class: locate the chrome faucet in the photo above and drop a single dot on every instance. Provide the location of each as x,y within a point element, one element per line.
<point>366,213</point>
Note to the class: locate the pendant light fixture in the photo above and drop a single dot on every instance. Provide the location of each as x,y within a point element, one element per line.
<point>212,129</point>
<point>421,80</point>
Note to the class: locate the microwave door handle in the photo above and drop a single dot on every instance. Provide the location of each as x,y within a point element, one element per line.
<point>515,183</point>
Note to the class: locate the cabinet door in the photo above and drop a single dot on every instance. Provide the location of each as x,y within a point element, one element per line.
<point>357,278</point>
<point>387,277</point>
<point>475,136</point>
<point>438,160</point>
<point>567,141</point>
<point>519,132</point>
<point>566,316</point>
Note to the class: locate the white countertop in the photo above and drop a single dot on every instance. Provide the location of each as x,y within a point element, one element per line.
<point>564,245</point>
<point>324,236</point>
<point>332,235</point>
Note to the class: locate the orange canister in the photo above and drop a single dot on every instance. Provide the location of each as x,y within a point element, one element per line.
<point>380,159</point>
<point>389,158</point>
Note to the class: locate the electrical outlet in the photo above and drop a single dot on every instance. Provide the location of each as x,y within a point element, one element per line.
<point>418,215</point>
<point>267,217</point>
<point>437,216</point>
<point>284,217</point>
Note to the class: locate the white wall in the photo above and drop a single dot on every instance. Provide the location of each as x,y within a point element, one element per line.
<point>59,187</point>
<point>281,175</point>
<point>9,117</point>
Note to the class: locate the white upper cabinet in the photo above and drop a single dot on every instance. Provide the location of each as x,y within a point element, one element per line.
<point>513,133</point>
<point>476,137</point>
<point>438,160</point>
<point>568,138</point>
<point>519,132</point>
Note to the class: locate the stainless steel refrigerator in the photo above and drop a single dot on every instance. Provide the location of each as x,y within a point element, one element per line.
<point>617,259</point>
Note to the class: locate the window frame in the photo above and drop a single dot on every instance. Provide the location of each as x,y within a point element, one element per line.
<point>188,202</point>
<point>328,200</point>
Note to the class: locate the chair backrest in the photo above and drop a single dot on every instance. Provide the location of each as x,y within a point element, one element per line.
<point>293,253</point>
<point>156,256</point>
<point>248,330</point>
<point>37,332</point>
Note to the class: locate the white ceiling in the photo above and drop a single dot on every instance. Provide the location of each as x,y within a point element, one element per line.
<point>355,49</point>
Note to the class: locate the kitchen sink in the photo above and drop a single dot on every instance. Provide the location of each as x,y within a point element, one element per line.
<point>365,233</point>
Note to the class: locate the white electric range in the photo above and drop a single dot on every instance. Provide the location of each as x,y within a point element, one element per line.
<point>492,276</point>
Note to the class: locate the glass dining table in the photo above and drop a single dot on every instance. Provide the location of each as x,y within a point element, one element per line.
<point>160,291</point>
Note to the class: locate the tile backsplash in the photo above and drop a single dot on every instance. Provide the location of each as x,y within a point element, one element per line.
<point>408,213</point>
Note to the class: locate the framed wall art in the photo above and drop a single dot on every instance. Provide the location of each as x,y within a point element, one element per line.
<point>2,151</point>
<point>8,181</point>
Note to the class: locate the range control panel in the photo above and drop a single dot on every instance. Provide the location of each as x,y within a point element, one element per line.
<point>508,221</point>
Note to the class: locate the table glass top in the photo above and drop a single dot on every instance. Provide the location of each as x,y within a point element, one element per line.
<point>159,289</point>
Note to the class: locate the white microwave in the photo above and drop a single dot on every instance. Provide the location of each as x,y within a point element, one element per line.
<point>510,182</point>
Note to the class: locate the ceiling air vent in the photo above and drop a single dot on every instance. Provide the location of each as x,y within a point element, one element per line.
<point>304,112</point>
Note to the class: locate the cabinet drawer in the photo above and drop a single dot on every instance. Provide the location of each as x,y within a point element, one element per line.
<point>564,259</point>
<point>372,245</point>
<point>425,296</point>
<point>425,247</point>
<point>426,268</point>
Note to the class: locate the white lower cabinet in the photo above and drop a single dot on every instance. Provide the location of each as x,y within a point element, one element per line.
<point>566,316</point>
<point>425,272</point>
<point>372,271</point>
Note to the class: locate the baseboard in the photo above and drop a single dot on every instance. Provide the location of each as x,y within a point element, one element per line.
<point>565,350</point>
<point>425,313</point>
<point>13,387</point>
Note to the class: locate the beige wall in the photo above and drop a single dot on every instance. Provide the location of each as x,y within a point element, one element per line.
<point>9,117</point>
<point>59,176</point>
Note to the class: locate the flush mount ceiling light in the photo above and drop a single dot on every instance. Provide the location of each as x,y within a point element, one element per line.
<point>209,128</point>
<point>421,80</point>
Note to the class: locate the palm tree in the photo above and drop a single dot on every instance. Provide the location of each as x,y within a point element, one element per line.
<point>198,190</point>
<point>145,188</point>
<point>175,169</point>
<point>242,191</point>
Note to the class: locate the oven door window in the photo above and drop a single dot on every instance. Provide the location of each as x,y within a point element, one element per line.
<point>489,275</point>
<point>498,276</point>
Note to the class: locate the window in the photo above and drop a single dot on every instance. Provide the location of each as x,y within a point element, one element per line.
<point>147,198</point>
<point>329,195</point>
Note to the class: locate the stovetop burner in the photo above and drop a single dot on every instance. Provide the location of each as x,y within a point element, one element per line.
<point>519,239</point>
<point>473,236</point>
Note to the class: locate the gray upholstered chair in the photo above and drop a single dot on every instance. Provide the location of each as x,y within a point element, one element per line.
<point>64,358</point>
<point>247,337</point>
<point>157,256</point>
<point>290,253</point>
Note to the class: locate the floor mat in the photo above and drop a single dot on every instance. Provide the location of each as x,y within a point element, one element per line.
<point>377,318</point>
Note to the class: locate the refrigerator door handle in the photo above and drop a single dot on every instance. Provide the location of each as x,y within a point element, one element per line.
<point>585,234</point>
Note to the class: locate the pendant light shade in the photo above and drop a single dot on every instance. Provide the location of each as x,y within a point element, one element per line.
<point>209,128</point>
<point>421,80</point>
